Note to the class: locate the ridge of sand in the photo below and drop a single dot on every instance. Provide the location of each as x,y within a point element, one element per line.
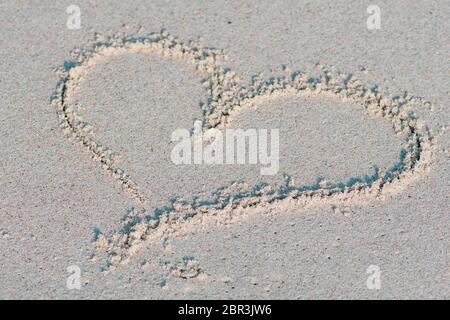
<point>227,95</point>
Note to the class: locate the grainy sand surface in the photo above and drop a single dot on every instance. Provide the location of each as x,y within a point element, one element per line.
<point>85,150</point>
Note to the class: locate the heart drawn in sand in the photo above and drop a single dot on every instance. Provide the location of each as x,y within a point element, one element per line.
<point>227,96</point>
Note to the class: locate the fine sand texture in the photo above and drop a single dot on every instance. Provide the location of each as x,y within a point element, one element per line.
<point>92,205</point>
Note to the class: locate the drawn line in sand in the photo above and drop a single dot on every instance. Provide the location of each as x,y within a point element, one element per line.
<point>227,95</point>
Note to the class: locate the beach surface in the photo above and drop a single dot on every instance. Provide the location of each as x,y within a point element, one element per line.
<point>93,206</point>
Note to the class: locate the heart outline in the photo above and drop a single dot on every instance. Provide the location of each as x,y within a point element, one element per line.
<point>226,96</point>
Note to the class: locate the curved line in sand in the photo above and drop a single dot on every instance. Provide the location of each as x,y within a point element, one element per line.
<point>204,60</point>
<point>226,97</point>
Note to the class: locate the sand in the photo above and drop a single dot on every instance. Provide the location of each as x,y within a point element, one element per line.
<point>87,182</point>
